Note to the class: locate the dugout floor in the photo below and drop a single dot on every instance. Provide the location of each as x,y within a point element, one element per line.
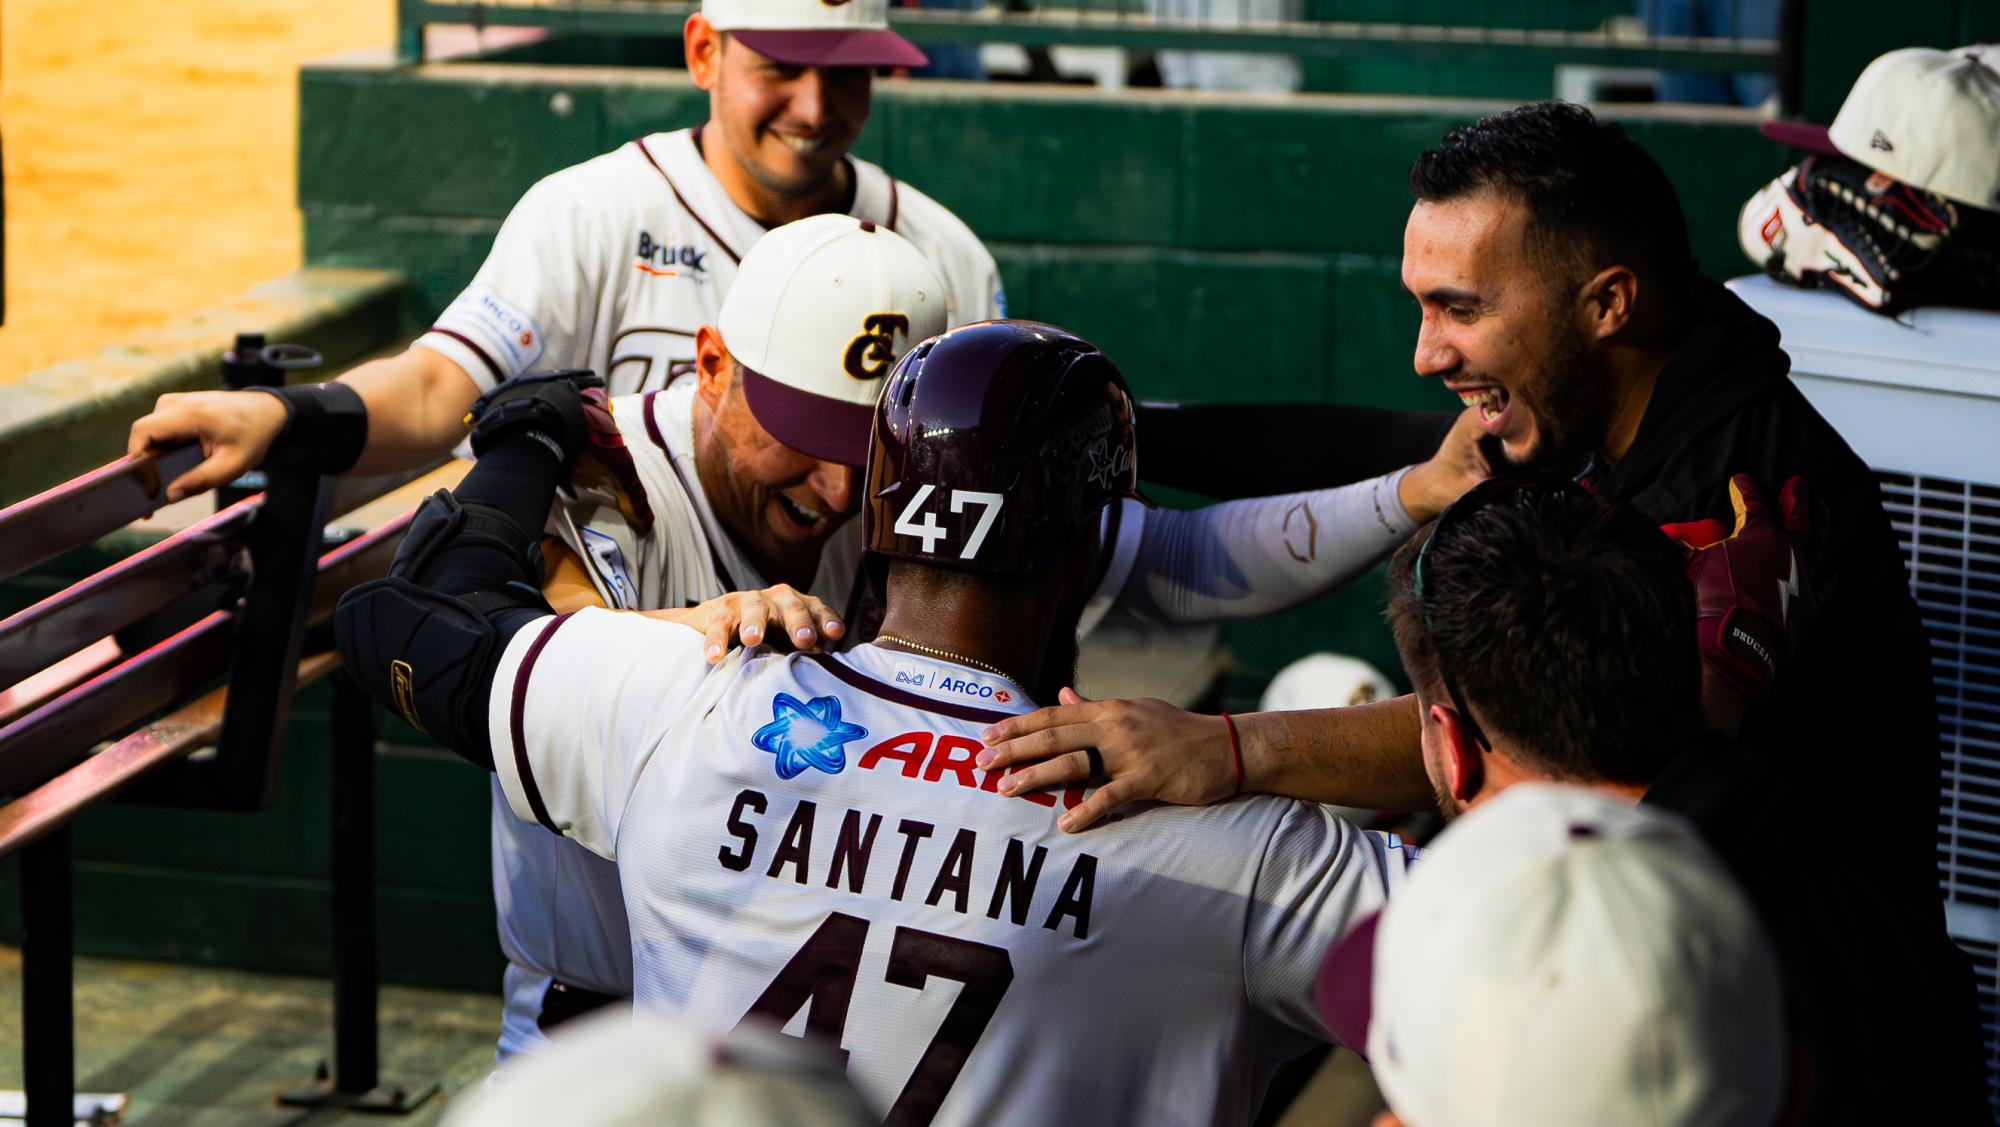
<point>194,1045</point>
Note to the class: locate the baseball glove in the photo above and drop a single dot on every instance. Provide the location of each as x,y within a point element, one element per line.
<point>1836,223</point>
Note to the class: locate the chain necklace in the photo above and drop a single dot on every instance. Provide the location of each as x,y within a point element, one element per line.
<point>950,656</point>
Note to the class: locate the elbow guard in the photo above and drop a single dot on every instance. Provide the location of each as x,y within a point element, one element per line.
<point>427,640</point>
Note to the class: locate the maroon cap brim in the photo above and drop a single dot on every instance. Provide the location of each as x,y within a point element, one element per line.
<point>831,430</point>
<point>834,48</point>
<point>1799,135</point>
<point>1346,983</point>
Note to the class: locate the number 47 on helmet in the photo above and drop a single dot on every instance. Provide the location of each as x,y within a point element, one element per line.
<point>996,444</point>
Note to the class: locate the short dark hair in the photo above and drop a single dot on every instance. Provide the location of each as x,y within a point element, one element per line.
<point>1594,197</point>
<point>1568,627</point>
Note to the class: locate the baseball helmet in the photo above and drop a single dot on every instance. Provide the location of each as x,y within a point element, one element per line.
<point>996,444</point>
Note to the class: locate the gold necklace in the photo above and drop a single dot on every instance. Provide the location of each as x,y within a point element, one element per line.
<point>948,655</point>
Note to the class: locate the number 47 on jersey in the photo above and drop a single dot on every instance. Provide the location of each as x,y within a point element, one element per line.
<point>821,975</point>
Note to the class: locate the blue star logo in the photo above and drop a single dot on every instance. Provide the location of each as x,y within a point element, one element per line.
<point>806,735</point>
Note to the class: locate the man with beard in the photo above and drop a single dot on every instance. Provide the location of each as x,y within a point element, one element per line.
<point>804,837</point>
<point>1549,261</point>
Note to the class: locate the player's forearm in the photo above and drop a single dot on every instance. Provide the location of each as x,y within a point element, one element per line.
<point>416,404</point>
<point>568,586</point>
<point>1369,756</point>
<point>1245,559</point>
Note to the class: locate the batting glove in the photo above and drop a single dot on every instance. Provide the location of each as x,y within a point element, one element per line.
<point>1752,593</point>
<point>546,406</point>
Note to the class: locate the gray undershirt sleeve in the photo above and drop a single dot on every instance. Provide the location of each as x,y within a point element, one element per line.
<point>1245,559</point>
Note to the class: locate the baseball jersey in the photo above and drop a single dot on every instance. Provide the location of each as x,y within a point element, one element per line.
<point>559,911</point>
<point>805,840</point>
<point>613,264</point>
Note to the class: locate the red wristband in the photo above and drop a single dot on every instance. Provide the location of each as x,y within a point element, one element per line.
<point>1236,749</point>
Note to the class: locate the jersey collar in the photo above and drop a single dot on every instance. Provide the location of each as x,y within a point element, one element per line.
<point>927,683</point>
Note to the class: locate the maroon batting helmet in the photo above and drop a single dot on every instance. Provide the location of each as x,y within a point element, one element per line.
<point>996,444</point>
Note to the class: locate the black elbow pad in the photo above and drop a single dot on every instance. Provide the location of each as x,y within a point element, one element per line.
<point>428,656</point>
<point>427,640</point>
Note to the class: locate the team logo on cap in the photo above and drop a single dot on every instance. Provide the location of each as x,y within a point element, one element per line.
<point>809,734</point>
<point>870,353</point>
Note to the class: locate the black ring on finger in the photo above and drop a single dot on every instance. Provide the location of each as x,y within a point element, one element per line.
<point>1096,760</point>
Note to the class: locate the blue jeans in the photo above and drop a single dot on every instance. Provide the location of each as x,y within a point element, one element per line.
<point>1721,19</point>
<point>952,60</point>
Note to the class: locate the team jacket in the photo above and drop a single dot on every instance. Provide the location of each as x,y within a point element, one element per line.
<point>1851,719</point>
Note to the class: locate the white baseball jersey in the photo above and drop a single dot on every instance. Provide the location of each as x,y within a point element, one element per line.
<point>805,839</point>
<point>613,264</point>
<point>559,910</point>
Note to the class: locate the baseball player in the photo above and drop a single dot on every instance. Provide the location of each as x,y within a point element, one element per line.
<point>614,263</point>
<point>804,839</point>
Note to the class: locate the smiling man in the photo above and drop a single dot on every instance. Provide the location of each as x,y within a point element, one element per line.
<point>1549,261</point>
<point>614,264</point>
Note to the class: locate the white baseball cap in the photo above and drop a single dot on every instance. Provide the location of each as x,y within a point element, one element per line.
<point>1928,118</point>
<point>648,1069</point>
<point>1565,959</point>
<point>1325,680</point>
<point>821,309</point>
<point>815,33</point>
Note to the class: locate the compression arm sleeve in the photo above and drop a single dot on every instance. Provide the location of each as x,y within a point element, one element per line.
<point>1298,445</point>
<point>1244,559</point>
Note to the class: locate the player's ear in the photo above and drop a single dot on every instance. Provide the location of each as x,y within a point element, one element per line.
<point>1605,302</point>
<point>703,46</point>
<point>1464,766</point>
<point>713,367</point>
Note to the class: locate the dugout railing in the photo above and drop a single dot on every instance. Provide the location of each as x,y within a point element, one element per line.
<point>1320,29</point>
<point>167,678</point>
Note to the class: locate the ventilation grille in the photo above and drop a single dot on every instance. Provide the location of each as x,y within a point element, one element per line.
<point>1950,534</point>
